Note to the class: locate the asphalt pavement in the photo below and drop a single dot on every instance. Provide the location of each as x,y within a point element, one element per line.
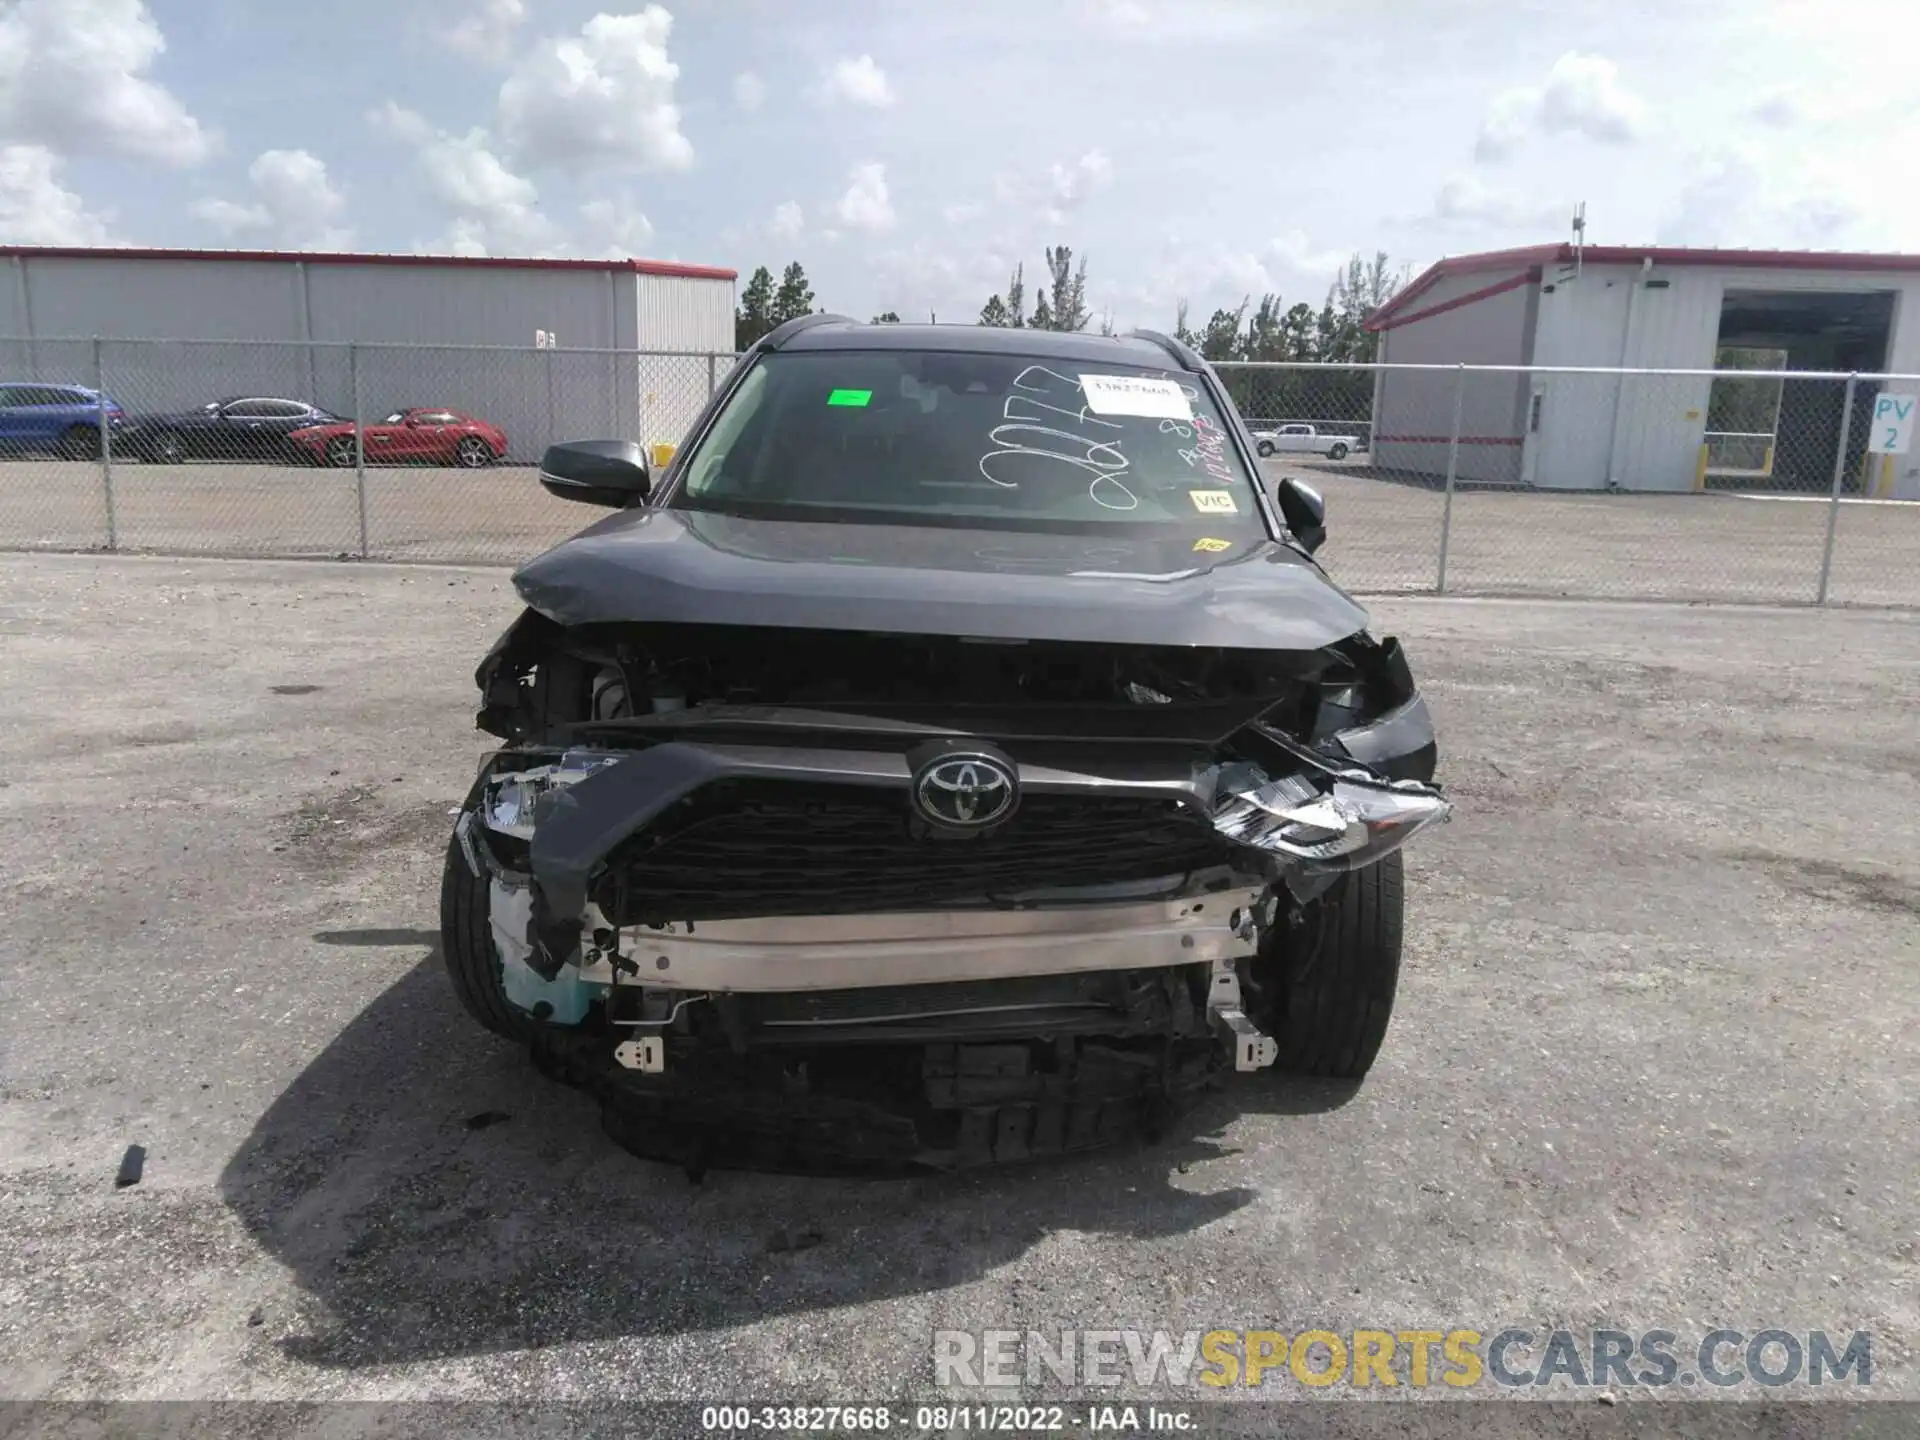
<point>1653,1063</point>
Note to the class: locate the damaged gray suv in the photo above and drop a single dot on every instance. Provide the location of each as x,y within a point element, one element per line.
<point>956,755</point>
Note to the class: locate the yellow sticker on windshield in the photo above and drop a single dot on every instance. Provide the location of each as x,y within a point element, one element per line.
<point>1210,546</point>
<point>1214,502</point>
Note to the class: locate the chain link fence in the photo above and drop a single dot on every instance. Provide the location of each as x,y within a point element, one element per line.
<point>1689,485</point>
<point>396,452</point>
<point>1597,484</point>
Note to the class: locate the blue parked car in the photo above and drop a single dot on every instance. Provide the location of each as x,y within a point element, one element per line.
<point>61,420</point>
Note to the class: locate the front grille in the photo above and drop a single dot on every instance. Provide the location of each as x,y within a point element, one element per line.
<point>742,849</point>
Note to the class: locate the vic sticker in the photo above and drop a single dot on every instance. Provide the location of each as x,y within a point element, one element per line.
<point>1210,546</point>
<point>1214,502</point>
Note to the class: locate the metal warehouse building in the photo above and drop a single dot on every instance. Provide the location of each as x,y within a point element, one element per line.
<point>1653,308</point>
<point>266,323</point>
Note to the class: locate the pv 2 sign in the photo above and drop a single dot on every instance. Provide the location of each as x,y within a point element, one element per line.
<point>1892,424</point>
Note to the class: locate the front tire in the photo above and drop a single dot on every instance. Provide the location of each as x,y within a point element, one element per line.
<point>1338,452</point>
<point>466,944</point>
<point>1337,973</point>
<point>166,449</point>
<point>473,453</point>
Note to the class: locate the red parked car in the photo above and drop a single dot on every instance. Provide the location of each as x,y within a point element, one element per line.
<point>428,435</point>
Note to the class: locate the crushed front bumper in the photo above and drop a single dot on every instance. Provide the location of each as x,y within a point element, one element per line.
<point>940,1007</point>
<point>853,952</point>
<point>552,831</point>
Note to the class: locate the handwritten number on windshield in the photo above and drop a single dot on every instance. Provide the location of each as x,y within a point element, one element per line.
<point>1052,431</point>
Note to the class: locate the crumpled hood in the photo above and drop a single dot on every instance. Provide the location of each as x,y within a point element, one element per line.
<point>693,567</point>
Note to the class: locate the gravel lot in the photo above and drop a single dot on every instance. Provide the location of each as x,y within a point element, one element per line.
<point>1654,1062</point>
<point>1385,535</point>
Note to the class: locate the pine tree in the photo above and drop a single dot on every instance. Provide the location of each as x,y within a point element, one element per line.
<point>1017,297</point>
<point>1221,339</point>
<point>1265,339</point>
<point>1181,330</point>
<point>1359,290</point>
<point>1296,332</point>
<point>1042,314</point>
<point>754,318</point>
<point>994,313</point>
<point>1326,333</point>
<point>795,296</point>
<point>1069,308</point>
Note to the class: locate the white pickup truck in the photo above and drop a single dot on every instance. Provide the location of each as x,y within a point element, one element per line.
<point>1304,440</point>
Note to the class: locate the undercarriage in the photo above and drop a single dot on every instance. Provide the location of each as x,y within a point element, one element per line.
<point>808,900</point>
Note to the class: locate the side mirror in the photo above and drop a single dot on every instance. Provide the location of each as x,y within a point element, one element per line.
<point>598,472</point>
<point>1304,511</point>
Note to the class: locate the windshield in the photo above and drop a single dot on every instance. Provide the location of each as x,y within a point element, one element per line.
<point>991,441</point>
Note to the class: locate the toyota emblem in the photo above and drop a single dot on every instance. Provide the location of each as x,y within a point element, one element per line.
<point>965,792</point>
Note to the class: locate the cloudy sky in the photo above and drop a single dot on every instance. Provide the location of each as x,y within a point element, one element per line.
<point>908,153</point>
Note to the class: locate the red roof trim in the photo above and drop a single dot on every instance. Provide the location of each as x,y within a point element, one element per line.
<point>1382,320</point>
<point>1562,254</point>
<point>670,268</point>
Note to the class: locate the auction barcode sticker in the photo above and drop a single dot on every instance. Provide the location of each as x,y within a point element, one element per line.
<point>1136,395</point>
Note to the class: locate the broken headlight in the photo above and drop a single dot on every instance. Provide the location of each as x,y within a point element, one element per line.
<point>508,799</point>
<point>1334,821</point>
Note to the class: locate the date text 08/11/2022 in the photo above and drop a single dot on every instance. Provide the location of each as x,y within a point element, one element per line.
<point>945,1419</point>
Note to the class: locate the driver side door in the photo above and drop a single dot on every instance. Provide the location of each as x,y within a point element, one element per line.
<point>385,442</point>
<point>239,431</point>
<point>419,438</point>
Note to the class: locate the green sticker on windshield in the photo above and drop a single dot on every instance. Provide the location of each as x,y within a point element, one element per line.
<point>850,397</point>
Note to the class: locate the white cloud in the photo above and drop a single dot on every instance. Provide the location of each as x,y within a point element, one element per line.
<point>927,276</point>
<point>1467,200</point>
<point>1783,108</point>
<point>72,78</point>
<point>603,96</point>
<point>613,230</point>
<point>491,209</point>
<point>1050,196</point>
<point>1582,96</point>
<point>749,90</point>
<point>294,204</point>
<point>1184,21</point>
<point>857,80</point>
<point>487,33</point>
<point>1748,197</point>
<point>788,220</point>
<point>1293,250</point>
<point>866,205</point>
<point>1799,107</point>
<point>1214,274</point>
<point>1074,183</point>
<point>36,209</point>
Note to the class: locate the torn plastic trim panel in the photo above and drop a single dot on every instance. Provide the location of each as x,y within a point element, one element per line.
<point>1399,745</point>
<point>560,998</point>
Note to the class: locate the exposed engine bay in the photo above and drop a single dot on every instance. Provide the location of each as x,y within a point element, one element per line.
<point>831,897</point>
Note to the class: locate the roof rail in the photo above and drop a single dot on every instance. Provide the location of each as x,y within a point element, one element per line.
<point>780,334</point>
<point>1183,353</point>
